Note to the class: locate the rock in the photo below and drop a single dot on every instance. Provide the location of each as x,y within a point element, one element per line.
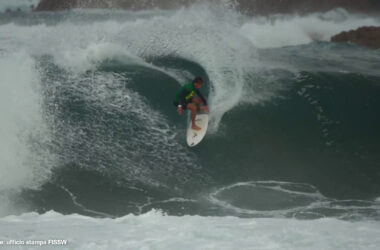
<point>365,36</point>
<point>255,7</point>
<point>52,5</point>
<point>309,6</point>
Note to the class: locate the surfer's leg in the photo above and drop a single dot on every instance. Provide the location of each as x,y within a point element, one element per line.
<point>200,106</point>
<point>193,108</point>
<point>197,102</point>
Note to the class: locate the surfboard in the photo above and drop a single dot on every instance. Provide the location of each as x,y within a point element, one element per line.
<point>194,137</point>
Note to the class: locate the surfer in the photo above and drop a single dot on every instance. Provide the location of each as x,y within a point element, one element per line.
<point>185,99</point>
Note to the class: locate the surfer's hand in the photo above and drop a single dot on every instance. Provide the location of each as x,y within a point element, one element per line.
<point>180,110</point>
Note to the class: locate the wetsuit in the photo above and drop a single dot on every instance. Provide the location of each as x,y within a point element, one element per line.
<point>185,95</point>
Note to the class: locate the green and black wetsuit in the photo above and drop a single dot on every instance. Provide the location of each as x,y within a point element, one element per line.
<point>185,95</point>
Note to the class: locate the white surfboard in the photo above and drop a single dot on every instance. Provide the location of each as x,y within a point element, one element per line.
<point>195,136</point>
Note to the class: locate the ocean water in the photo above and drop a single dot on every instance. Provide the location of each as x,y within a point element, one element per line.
<point>93,151</point>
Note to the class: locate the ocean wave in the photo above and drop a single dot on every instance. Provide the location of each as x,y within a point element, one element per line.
<point>88,114</point>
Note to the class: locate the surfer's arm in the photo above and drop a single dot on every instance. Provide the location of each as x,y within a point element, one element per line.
<point>201,96</point>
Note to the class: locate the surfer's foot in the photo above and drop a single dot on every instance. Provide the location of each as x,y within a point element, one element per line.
<point>195,127</point>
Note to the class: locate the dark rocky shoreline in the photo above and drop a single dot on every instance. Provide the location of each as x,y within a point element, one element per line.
<point>258,7</point>
<point>365,36</point>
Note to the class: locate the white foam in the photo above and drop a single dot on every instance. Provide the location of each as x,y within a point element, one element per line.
<point>133,153</point>
<point>287,189</point>
<point>284,30</point>
<point>306,200</point>
<point>20,120</point>
<point>22,131</point>
<point>156,231</point>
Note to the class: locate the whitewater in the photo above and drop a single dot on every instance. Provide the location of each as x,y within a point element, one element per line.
<point>93,153</point>
<point>156,231</point>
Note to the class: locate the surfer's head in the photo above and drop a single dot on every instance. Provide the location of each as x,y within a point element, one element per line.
<point>198,82</point>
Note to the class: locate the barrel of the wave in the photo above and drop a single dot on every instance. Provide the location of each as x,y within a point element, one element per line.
<point>194,137</point>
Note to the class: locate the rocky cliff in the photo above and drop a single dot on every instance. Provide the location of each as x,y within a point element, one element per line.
<point>262,7</point>
<point>364,36</point>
